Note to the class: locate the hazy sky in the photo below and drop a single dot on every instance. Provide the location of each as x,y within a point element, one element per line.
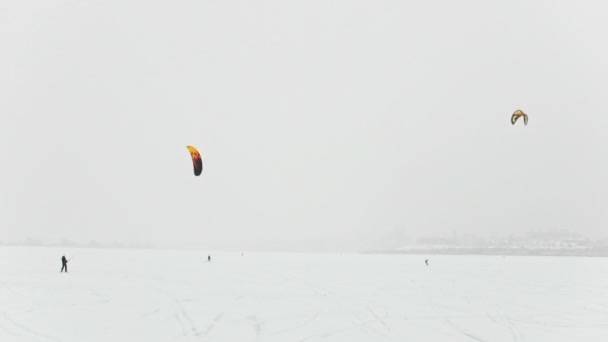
<point>323,124</point>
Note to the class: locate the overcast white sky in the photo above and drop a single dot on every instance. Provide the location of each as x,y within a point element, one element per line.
<point>323,124</point>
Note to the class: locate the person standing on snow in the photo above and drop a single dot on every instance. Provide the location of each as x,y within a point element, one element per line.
<point>64,264</point>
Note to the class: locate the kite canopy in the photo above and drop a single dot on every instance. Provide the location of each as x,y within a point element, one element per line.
<point>197,161</point>
<point>517,114</point>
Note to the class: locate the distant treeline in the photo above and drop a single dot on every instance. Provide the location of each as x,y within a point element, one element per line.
<point>587,252</point>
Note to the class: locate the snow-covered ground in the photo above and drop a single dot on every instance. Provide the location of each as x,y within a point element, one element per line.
<point>148,295</point>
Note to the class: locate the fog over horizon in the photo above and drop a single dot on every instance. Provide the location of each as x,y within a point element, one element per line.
<point>322,125</point>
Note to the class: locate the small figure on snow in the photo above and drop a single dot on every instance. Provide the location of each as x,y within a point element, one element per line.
<point>208,258</point>
<point>64,264</point>
<point>426,262</point>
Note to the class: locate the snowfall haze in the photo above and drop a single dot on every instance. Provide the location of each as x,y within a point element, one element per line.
<point>323,124</point>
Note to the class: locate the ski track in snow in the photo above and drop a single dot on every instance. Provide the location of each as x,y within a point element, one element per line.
<point>378,318</point>
<point>514,332</point>
<point>190,323</point>
<point>464,331</point>
<point>28,330</point>
<point>212,325</point>
<point>257,327</point>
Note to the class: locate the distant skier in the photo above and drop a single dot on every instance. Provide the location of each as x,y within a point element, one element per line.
<point>64,264</point>
<point>208,258</point>
<point>426,262</point>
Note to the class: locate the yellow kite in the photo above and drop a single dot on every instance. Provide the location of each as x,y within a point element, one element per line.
<point>517,114</point>
<point>197,161</point>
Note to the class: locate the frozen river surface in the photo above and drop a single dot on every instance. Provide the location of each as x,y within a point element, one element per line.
<point>159,295</point>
